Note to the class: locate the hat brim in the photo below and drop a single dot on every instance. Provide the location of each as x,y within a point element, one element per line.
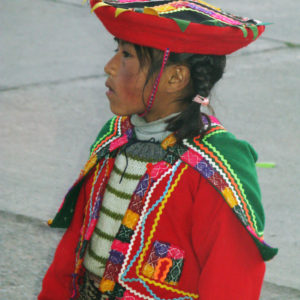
<point>162,33</point>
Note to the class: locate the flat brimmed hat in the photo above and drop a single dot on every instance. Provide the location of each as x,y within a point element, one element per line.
<point>180,26</point>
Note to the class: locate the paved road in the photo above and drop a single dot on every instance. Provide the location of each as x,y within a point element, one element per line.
<point>52,104</point>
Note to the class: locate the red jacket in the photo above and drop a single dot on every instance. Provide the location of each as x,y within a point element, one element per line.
<point>186,243</point>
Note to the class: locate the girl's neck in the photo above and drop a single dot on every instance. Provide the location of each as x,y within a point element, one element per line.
<point>151,130</point>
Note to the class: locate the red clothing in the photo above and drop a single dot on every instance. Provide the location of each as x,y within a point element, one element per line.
<point>193,228</point>
<point>222,261</point>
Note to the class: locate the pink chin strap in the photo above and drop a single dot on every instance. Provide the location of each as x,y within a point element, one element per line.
<point>155,86</point>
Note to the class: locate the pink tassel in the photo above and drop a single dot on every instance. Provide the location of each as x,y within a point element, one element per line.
<point>201,100</point>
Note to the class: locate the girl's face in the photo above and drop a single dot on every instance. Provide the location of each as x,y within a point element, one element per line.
<point>126,81</point>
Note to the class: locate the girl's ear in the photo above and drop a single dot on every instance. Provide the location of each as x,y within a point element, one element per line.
<point>178,77</point>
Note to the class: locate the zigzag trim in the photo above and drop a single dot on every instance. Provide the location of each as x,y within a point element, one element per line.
<point>223,172</point>
<point>148,243</point>
<point>220,164</point>
<point>126,260</point>
<point>215,128</point>
<point>113,132</point>
<point>140,228</point>
<point>239,188</point>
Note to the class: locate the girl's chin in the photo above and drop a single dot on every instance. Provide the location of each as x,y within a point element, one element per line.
<point>116,110</point>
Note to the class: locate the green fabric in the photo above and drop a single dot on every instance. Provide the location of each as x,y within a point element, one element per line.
<point>255,31</point>
<point>240,157</point>
<point>106,130</point>
<point>183,24</point>
<point>64,216</point>
<point>244,30</point>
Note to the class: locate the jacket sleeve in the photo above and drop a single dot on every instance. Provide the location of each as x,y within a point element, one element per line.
<point>231,265</point>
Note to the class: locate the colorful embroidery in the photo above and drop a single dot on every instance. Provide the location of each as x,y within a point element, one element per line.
<point>112,131</point>
<point>210,12</point>
<point>241,195</point>
<point>162,268</point>
<point>212,161</point>
<point>219,173</point>
<point>111,271</point>
<point>169,141</point>
<point>107,285</point>
<point>90,220</point>
<point>121,243</point>
<point>158,169</point>
<point>118,132</point>
<point>130,219</point>
<point>149,266</point>
<point>164,263</point>
<point>124,234</point>
<point>89,164</point>
<point>118,142</point>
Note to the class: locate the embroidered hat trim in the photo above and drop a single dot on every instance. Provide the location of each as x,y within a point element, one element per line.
<point>182,26</point>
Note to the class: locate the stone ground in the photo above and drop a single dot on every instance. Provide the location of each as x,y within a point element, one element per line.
<point>52,105</point>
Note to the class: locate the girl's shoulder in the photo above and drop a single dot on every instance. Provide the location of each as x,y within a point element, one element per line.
<point>229,166</point>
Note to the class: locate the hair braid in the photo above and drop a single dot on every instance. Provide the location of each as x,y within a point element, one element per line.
<point>205,71</point>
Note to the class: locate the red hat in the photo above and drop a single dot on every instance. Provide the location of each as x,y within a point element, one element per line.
<point>180,26</point>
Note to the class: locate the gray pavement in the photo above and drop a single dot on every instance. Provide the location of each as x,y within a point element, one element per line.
<point>52,104</point>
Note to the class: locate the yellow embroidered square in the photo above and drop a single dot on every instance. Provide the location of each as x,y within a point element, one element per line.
<point>130,219</point>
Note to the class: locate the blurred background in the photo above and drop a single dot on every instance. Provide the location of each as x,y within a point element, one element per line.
<point>53,103</point>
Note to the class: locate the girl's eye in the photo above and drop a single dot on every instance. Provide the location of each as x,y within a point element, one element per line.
<point>126,54</point>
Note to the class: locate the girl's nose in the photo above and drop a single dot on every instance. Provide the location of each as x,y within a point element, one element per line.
<point>111,66</point>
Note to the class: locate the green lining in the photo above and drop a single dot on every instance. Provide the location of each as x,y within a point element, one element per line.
<point>126,175</point>
<point>111,214</point>
<point>105,131</point>
<point>239,184</point>
<point>104,235</point>
<point>213,133</point>
<point>118,193</point>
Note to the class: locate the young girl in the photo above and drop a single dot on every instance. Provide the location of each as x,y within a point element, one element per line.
<point>168,205</point>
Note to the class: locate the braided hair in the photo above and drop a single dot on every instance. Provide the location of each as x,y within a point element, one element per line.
<point>205,71</point>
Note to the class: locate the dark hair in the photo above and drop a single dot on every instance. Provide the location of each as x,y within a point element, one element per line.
<point>205,71</point>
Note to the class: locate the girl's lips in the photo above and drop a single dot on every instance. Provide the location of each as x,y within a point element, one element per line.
<point>108,85</point>
<point>110,90</point>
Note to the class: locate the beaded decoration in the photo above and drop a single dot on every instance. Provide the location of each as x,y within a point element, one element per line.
<point>155,87</point>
